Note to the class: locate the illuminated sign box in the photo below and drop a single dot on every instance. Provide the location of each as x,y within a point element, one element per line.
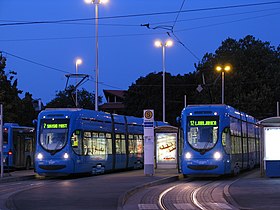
<point>272,143</point>
<point>203,121</point>
<point>55,125</point>
<point>166,147</point>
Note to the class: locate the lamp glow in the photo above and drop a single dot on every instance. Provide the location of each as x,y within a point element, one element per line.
<point>40,156</point>
<point>217,155</point>
<point>188,155</point>
<point>88,1</point>
<point>169,43</point>
<point>158,43</point>
<point>218,68</point>
<point>79,61</point>
<point>66,156</point>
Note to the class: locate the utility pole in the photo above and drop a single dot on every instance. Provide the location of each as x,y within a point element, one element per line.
<point>1,139</point>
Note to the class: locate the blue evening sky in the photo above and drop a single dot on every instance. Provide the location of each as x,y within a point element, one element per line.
<point>43,53</point>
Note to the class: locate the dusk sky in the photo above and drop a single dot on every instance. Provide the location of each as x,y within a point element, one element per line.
<point>42,53</point>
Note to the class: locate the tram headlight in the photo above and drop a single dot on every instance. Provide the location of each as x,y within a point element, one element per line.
<point>39,156</point>
<point>217,156</point>
<point>66,156</point>
<point>188,155</point>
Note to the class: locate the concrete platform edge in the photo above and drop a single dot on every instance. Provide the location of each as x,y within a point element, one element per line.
<point>20,178</point>
<point>230,199</point>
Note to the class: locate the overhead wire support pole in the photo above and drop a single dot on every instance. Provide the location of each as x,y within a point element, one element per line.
<point>163,83</point>
<point>96,57</point>
<point>1,140</point>
<point>77,84</point>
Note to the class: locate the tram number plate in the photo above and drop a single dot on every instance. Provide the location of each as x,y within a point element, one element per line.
<point>202,162</point>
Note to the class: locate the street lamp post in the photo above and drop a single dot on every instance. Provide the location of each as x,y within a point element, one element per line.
<point>223,69</point>
<point>78,62</point>
<point>96,2</point>
<point>168,43</point>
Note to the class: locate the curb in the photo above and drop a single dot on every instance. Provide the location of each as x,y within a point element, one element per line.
<point>125,196</point>
<point>230,199</point>
<point>19,178</point>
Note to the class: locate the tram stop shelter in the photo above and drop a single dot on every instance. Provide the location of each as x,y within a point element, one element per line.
<point>270,145</point>
<point>166,149</point>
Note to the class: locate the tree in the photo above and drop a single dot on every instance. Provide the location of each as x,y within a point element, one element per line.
<point>16,110</point>
<point>66,99</point>
<point>252,84</point>
<point>146,93</point>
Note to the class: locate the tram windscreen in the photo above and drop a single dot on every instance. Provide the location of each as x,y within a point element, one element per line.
<point>53,134</point>
<point>202,131</point>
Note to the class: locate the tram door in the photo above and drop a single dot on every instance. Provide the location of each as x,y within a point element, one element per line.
<point>19,149</point>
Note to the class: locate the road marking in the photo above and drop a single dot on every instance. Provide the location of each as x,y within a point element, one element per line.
<point>219,206</point>
<point>184,206</point>
<point>147,206</point>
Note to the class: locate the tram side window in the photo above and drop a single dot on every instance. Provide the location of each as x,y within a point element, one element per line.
<point>120,144</point>
<point>28,144</point>
<point>245,148</point>
<point>226,140</point>
<point>233,146</point>
<point>109,143</point>
<point>140,147</point>
<point>132,144</point>
<point>76,142</point>
<point>236,145</point>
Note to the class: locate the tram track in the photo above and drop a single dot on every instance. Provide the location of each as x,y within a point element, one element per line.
<point>191,194</point>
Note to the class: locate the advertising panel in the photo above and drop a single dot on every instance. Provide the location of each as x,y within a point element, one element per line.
<point>272,143</point>
<point>166,147</point>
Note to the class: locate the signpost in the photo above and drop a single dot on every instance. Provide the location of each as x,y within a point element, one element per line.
<point>149,142</point>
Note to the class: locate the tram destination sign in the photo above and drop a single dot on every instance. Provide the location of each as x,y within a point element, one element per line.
<point>55,125</point>
<point>199,121</point>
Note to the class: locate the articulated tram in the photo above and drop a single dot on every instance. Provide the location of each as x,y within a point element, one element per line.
<point>71,141</point>
<point>217,140</point>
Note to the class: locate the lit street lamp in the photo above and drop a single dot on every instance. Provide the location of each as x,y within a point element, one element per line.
<point>78,62</point>
<point>168,43</point>
<point>96,2</point>
<point>223,69</point>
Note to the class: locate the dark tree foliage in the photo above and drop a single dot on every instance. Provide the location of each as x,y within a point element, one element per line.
<point>252,86</point>
<point>66,99</point>
<point>16,110</point>
<point>146,93</point>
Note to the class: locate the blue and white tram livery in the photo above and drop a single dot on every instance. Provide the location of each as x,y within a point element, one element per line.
<point>218,140</point>
<point>74,141</point>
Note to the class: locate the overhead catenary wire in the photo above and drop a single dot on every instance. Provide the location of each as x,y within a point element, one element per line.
<point>141,15</point>
<point>49,67</point>
<point>167,27</point>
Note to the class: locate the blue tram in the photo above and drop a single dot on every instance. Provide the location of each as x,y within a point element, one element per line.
<point>73,141</point>
<point>217,140</point>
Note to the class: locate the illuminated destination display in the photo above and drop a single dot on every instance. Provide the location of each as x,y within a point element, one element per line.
<point>55,125</point>
<point>203,121</point>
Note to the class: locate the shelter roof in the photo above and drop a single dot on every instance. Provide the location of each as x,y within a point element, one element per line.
<point>270,122</point>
